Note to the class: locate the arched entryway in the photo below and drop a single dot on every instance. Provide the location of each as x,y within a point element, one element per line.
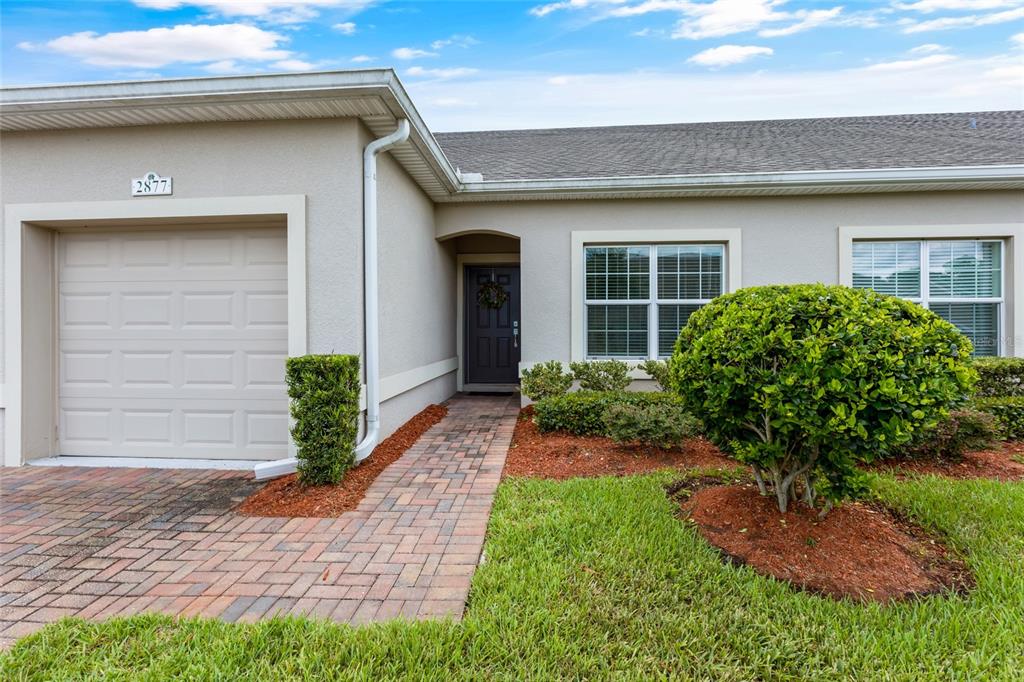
<point>489,328</point>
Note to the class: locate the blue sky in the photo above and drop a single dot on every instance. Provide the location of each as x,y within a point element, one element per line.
<point>485,65</point>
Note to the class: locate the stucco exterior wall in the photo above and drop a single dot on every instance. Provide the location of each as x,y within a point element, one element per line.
<point>417,291</point>
<point>784,239</point>
<point>321,159</point>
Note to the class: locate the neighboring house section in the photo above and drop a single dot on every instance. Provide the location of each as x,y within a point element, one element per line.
<point>157,326</point>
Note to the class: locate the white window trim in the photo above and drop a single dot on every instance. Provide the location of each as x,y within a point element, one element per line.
<point>1012,236</point>
<point>729,237</point>
<point>20,217</point>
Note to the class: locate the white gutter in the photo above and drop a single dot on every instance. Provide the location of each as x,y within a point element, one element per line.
<point>371,317</point>
<point>794,180</point>
<point>281,467</point>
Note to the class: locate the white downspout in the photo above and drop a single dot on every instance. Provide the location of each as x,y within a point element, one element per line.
<point>281,467</point>
<point>371,316</point>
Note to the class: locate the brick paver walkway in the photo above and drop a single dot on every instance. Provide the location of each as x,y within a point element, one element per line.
<point>102,542</point>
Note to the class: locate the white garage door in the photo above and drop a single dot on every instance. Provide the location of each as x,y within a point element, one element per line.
<point>172,343</point>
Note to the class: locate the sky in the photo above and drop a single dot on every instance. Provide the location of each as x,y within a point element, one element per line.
<point>501,65</point>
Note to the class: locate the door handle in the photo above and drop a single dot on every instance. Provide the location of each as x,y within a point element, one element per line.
<point>515,334</point>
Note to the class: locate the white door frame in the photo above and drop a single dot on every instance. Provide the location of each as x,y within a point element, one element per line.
<point>461,261</point>
<point>23,223</point>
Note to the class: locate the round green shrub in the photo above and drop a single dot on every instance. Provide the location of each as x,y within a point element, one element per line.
<point>545,380</point>
<point>803,382</point>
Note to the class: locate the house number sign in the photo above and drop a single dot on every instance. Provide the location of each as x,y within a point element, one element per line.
<point>152,184</point>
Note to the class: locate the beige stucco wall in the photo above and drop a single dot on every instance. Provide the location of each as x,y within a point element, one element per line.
<point>321,159</point>
<point>417,291</point>
<point>784,239</point>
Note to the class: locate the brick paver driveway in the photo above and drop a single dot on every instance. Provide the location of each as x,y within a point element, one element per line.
<point>102,542</point>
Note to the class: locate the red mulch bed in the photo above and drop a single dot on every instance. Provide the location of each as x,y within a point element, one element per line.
<point>998,464</point>
<point>560,455</point>
<point>285,496</point>
<point>859,550</point>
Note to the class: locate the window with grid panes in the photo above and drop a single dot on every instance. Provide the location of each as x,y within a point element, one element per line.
<point>638,297</point>
<point>959,280</point>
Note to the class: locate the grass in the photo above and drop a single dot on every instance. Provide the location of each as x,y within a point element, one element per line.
<point>596,579</point>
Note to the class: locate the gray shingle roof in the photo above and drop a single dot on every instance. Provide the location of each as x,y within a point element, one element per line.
<point>905,141</point>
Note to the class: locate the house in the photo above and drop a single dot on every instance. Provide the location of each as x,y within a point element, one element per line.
<point>166,244</point>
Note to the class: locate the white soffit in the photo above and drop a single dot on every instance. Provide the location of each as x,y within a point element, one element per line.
<point>375,96</point>
<point>378,99</point>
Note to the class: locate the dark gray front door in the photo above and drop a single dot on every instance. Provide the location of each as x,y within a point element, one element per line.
<point>492,334</point>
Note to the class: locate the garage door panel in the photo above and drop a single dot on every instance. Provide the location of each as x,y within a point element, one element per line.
<point>173,344</point>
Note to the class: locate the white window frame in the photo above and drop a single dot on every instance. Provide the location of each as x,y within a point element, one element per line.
<point>1010,234</point>
<point>732,277</point>
<point>925,299</point>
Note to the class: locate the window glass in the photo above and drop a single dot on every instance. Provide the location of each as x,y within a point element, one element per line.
<point>618,273</point>
<point>892,268</point>
<point>617,331</point>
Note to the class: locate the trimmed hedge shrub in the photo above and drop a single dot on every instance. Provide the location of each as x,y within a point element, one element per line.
<point>582,413</point>
<point>324,392</point>
<point>601,375</point>
<point>545,380</point>
<point>802,382</point>
<point>662,425</point>
<point>999,377</point>
<point>1008,411</point>
<point>962,431</point>
<point>658,369</point>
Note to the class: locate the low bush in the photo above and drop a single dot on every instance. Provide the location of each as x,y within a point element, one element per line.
<point>601,375</point>
<point>1008,411</point>
<point>999,377</point>
<point>659,372</point>
<point>324,392</point>
<point>962,431</point>
<point>545,380</point>
<point>659,424</point>
<point>582,413</point>
<point>803,382</point>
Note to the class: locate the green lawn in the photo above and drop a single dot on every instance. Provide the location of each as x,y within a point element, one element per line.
<point>596,578</point>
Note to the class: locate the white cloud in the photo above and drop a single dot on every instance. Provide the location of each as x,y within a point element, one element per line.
<point>559,80</point>
<point>725,55</point>
<point>928,6</point>
<point>456,40</point>
<point>225,66</point>
<point>1018,39</point>
<point>293,65</point>
<point>411,53</point>
<point>928,48</point>
<point>968,21</point>
<point>910,64</point>
<point>810,20</point>
<point>280,11</point>
<point>544,10</point>
<point>158,47</point>
<point>710,19</point>
<point>455,72</point>
<point>346,27</point>
<point>725,17</point>
<point>528,100</point>
<point>362,59</point>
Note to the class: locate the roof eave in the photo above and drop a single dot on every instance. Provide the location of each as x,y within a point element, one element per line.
<point>751,184</point>
<point>235,98</point>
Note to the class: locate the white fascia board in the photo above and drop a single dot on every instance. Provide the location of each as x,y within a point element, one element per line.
<point>735,181</point>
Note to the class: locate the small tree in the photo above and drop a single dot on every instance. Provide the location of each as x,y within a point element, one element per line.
<point>803,382</point>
